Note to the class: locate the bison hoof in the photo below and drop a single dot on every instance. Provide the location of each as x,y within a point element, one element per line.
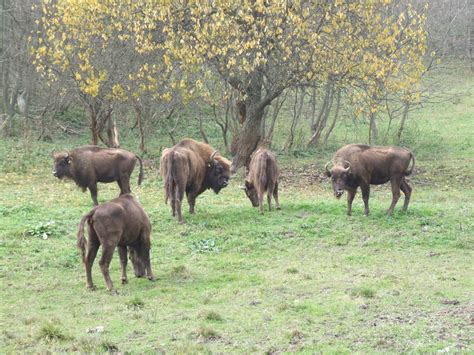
<point>124,281</point>
<point>91,287</point>
<point>152,278</point>
<point>278,208</point>
<point>181,222</point>
<point>113,292</point>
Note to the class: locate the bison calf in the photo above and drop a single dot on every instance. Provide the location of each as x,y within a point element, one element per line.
<point>191,167</point>
<point>119,223</point>
<point>357,165</point>
<point>262,176</point>
<point>90,164</point>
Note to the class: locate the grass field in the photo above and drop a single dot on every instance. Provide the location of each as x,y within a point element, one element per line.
<point>306,278</point>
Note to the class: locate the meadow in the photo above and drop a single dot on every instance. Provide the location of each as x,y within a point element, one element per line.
<point>306,278</point>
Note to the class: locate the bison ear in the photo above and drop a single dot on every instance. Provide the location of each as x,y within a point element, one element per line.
<point>68,158</point>
<point>248,185</point>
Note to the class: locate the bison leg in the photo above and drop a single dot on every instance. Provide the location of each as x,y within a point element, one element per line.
<point>365,189</point>
<point>191,201</point>
<point>269,199</point>
<point>124,184</point>
<point>350,197</point>
<point>93,190</point>
<point>91,253</point>
<point>275,195</point>
<point>178,198</point>
<point>107,253</point>
<point>260,201</point>
<point>123,263</point>
<point>407,191</point>
<point>146,257</point>
<point>395,181</point>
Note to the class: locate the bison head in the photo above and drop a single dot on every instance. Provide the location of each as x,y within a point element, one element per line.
<point>138,265</point>
<point>339,175</point>
<point>251,193</point>
<point>62,164</point>
<point>218,172</point>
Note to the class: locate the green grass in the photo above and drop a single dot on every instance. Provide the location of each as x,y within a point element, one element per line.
<point>305,278</point>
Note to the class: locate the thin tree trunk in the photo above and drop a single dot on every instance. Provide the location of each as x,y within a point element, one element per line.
<point>141,133</point>
<point>201,130</point>
<point>336,115</point>
<point>276,110</point>
<point>373,131</point>
<point>224,125</point>
<point>297,107</point>
<point>406,109</point>
<point>112,131</point>
<point>172,131</point>
<point>322,116</point>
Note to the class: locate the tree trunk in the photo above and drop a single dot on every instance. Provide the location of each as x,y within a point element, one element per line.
<point>141,134</point>
<point>297,107</point>
<point>406,108</point>
<point>201,130</point>
<point>373,131</point>
<point>112,132</point>
<point>248,139</point>
<point>336,114</point>
<point>223,124</point>
<point>94,125</point>
<point>320,123</point>
<point>276,110</point>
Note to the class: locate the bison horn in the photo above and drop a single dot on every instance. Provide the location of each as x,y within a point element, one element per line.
<point>348,165</point>
<point>326,168</point>
<point>213,155</point>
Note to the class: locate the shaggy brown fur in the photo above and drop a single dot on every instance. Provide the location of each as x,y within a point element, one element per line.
<point>262,176</point>
<point>361,165</point>
<point>90,164</point>
<point>119,223</point>
<point>191,167</point>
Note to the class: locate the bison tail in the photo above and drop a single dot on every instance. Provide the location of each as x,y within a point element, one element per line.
<point>409,171</point>
<point>142,174</point>
<point>169,177</point>
<point>81,239</point>
<point>263,171</point>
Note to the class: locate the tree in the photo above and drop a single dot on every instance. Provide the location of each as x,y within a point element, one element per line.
<point>89,47</point>
<point>257,47</point>
<point>262,48</point>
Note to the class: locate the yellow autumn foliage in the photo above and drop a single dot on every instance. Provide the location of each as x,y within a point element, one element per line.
<point>358,44</point>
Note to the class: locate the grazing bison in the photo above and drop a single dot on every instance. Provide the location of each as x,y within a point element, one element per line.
<point>191,167</point>
<point>262,176</point>
<point>90,164</point>
<point>357,165</point>
<point>119,223</point>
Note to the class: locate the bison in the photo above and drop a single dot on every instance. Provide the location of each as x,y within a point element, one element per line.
<point>361,165</point>
<point>191,167</point>
<point>119,223</point>
<point>88,165</point>
<point>262,176</point>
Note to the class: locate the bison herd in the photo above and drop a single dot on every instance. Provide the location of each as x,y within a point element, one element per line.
<point>192,167</point>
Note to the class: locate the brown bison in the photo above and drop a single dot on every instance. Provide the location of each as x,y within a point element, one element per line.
<point>90,164</point>
<point>262,176</point>
<point>191,167</point>
<point>361,165</point>
<point>119,223</point>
